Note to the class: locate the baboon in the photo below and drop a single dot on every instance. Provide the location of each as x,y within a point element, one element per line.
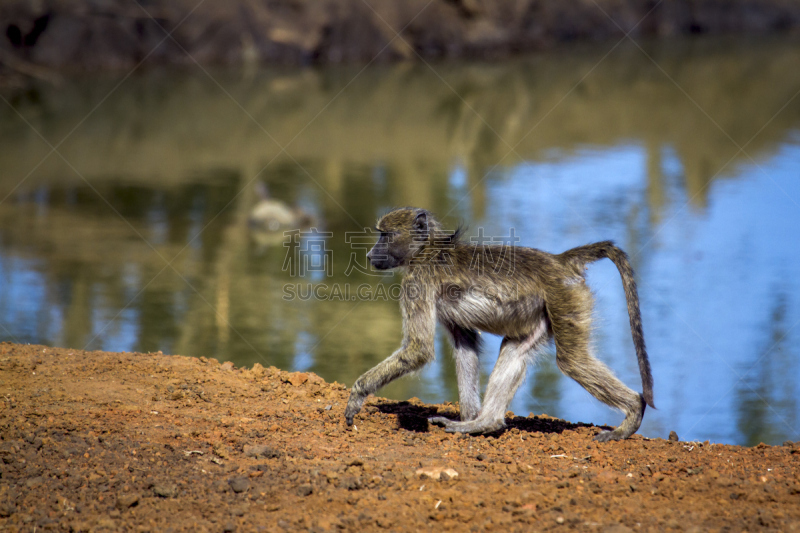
<point>525,295</point>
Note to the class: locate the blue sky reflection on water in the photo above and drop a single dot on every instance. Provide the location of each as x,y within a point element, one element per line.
<point>157,254</point>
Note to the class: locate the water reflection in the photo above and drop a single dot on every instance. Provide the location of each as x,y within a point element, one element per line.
<point>142,242</point>
<point>767,405</point>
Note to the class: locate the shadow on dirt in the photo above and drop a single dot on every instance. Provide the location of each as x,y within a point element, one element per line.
<point>409,416</point>
<point>413,417</point>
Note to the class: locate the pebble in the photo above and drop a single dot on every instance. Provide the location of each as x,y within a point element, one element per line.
<point>239,484</point>
<point>437,472</point>
<point>673,436</point>
<point>352,483</point>
<point>127,500</point>
<point>240,510</point>
<point>305,490</point>
<point>296,378</point>
<point>33,482</point>
<point>165,491</point>
<point>221,450</point>
<point>262,451</point>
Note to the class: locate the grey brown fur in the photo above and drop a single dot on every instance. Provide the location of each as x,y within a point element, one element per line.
<point>525,295</point>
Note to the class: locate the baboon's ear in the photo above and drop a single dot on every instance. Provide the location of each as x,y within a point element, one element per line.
<point>421,222</point>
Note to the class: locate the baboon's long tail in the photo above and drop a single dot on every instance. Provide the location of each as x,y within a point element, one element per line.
<point>593,252</point>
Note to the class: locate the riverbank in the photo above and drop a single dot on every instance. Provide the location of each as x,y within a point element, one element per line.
<point>96,441</point>
<point>114,34</point>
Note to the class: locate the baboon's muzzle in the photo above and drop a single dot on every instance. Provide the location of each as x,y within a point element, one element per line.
<point>379,258</point>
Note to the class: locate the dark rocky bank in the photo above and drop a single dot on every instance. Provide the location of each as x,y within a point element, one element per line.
<point>101,34</point>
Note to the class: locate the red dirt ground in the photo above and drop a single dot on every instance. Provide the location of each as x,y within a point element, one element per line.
<point>95,441</point>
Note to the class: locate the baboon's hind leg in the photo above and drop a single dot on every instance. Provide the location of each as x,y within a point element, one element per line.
<point>571,325</point>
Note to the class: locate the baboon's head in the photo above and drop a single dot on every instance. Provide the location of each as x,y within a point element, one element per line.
<point>404,232</point>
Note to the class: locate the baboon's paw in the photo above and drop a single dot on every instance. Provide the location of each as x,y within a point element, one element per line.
<point>475,426</point>
<point>353,407</point>
<point>607,436</point>
<point>440,421</point>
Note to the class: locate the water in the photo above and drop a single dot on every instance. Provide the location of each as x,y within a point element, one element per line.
<point>134,235</point>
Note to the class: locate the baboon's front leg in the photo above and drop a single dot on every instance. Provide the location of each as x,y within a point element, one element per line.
<point>419,325</point>
<point>401,362</point>
<point>507,376</point>
<point>466,348</point>
<point>465,353</point>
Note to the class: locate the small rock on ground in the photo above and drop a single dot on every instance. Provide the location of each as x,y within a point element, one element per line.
<point>239,484</point>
